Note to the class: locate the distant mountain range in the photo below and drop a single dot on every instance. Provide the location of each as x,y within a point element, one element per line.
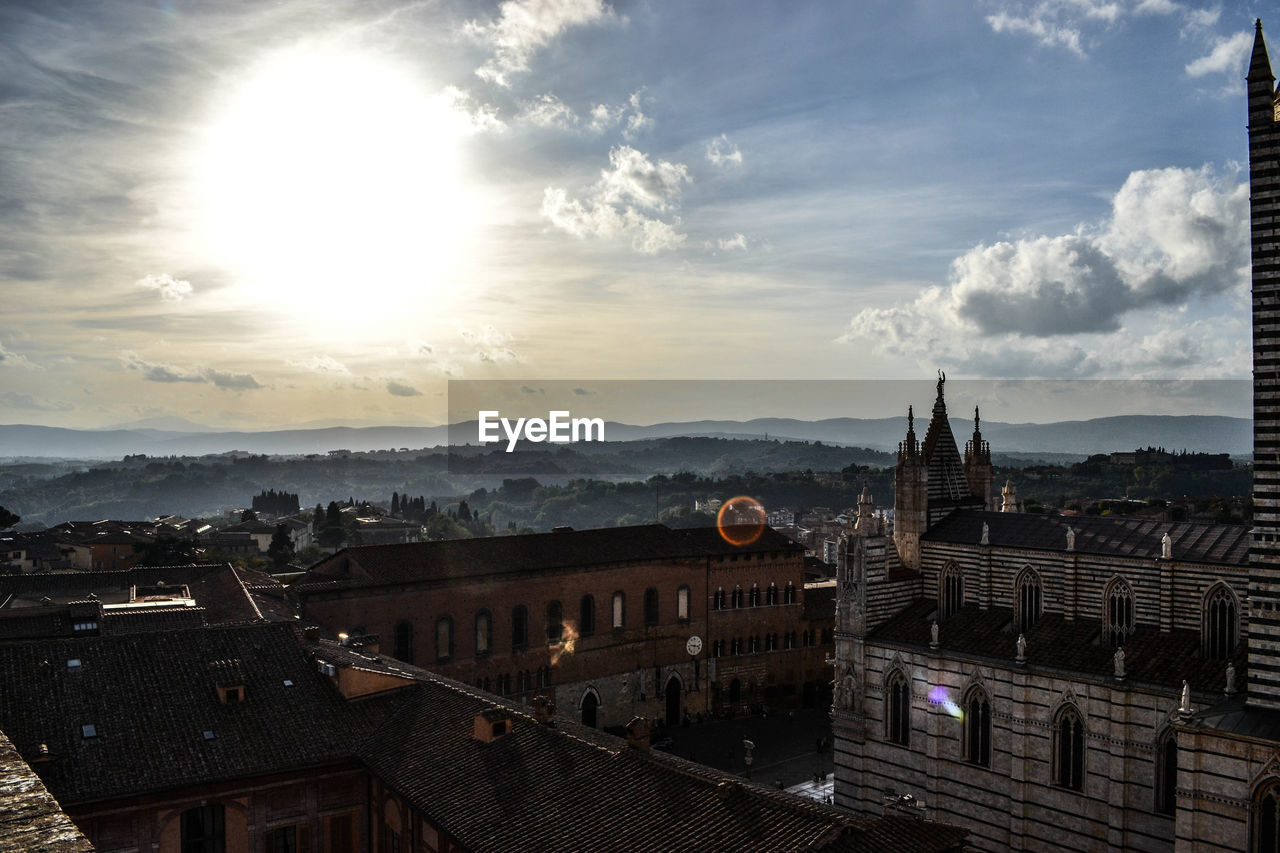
<point>1197,433</point>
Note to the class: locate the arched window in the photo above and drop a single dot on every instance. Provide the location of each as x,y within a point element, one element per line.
<point>950,590</point>
<point>204,830</point>
<point>737,596</point>
<point>1220,631</point>
<point>717,648</point>
<point>755,595</point>
<point>403,634</point>
<point>1167,773</point>
<point>682,603</point>
<point>897,709</point>
<point>619,609</point>
<point>1030,599</point>
<point>1265,834</point>
<point>789,594</point>
<point>650,607</point>
<point>1068,749</point>
<point>771,594</point>
<point>444,639</point>
<point>719,598</point>
<point>519,628</point>
<point>977,728</point>
<point>555,622</point>
<point>1118,599</point>
<point>587,616</point>
<point>484,633</point>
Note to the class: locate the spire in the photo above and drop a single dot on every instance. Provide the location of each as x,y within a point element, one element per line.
<point>940,405</point>
<point>977,428</point>
<point>1259,63</point>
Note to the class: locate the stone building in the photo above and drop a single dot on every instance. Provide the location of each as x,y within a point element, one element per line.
<point>610,623</point>
<point>1074,683</point>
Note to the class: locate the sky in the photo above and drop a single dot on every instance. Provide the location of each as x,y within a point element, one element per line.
<point>250,215</point>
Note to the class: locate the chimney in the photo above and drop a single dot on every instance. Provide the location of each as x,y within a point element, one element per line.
<point>492,724</point>
<point>544,710</point>
<point>311,633</point>
<point>638,734</point>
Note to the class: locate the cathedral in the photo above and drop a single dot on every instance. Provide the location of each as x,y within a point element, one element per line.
<point>1072,683</point>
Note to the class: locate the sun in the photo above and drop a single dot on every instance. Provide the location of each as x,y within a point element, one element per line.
<point>328,179</point>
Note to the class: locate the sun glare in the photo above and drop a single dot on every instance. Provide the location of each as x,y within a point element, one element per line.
<point>330,180</point>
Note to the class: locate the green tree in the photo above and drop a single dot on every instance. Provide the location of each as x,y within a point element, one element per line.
<point>248,515</point>
<point>8,519</point>
<point>280,551</point>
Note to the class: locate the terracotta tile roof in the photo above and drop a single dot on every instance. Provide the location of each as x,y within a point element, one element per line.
<point>593,791</point>
<point>1193,541</point>
<point>214,586</point>
<point>151,698</point>
<point>30,819</point>
<point>1152,657</point>
<point>498,555</point>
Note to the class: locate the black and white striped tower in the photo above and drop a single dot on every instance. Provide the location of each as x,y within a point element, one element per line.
<point>1264,215</point>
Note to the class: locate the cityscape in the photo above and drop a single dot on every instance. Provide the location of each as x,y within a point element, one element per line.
<point>569,424</point>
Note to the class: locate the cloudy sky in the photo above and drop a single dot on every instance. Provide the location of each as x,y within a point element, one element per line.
<point>259,215</point>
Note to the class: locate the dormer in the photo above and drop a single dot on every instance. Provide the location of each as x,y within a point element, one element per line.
<point>492,724</point>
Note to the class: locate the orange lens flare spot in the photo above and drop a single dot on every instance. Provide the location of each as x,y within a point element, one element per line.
<point>741,520</point>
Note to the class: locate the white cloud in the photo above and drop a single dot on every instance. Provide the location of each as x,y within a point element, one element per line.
<point>9,358</point>
<point>1156,7</point>
<point>548,111</point>
<point>170,289</point>
<point>490,345</point>
<point>619,203</point>
<point>524,26</point>
<point>737,241</point>
<point>637,121</point>
<point>477,117</point>
<point>722,152</point>
<point>1044,29</point>
<point>1227,56</point>
<point>1080,304</point>
<point>321,364</point>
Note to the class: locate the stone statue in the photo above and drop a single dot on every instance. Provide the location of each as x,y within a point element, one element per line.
<point>986,534</point>
<point>1231,678</point>
<point>1118,661</point>
<point>1071,538</point>
<point>1185,707</point>
<point>1022,649</point>
<point>1166,547</point>
<point>849,693</point>
<point>933,634</point>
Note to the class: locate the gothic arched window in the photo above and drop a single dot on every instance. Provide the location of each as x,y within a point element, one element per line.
<point>1118,621</point>
<point>1265,835</point>
<point>203,829</point>
<point>789,594</point>
<point>1068,749</point>
<point>1167,773</point>
<point>1030,596</point>
<point>737,597</point>
<point>950,591</point>
<point>587,616</point>
<point>1220,624</point>
<point>619,609</point>
<point>444,638</point>
<point>771,594</point>
<point>718,602</point>
<point>519,627</point>
<point>682,603</point>
<point>897,710</point>
<point>977,727</point>
<point>755,595</point>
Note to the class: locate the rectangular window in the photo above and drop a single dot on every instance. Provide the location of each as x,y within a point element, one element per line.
<point>619,610</point>
<point>288,839</point>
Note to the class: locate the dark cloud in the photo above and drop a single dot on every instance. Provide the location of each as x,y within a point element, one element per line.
<point>398,389</point>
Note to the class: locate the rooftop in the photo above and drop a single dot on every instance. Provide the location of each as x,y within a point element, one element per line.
<point>1193,542</point>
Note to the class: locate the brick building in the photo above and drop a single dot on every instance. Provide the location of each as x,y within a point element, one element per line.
<point>1056,683</point>
<point>244,738</point>
<point>611,623</point>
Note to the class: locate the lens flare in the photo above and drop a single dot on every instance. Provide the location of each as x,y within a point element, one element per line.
<point>741,520</point>
<point>568,637</point>
<point>939,696</point>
